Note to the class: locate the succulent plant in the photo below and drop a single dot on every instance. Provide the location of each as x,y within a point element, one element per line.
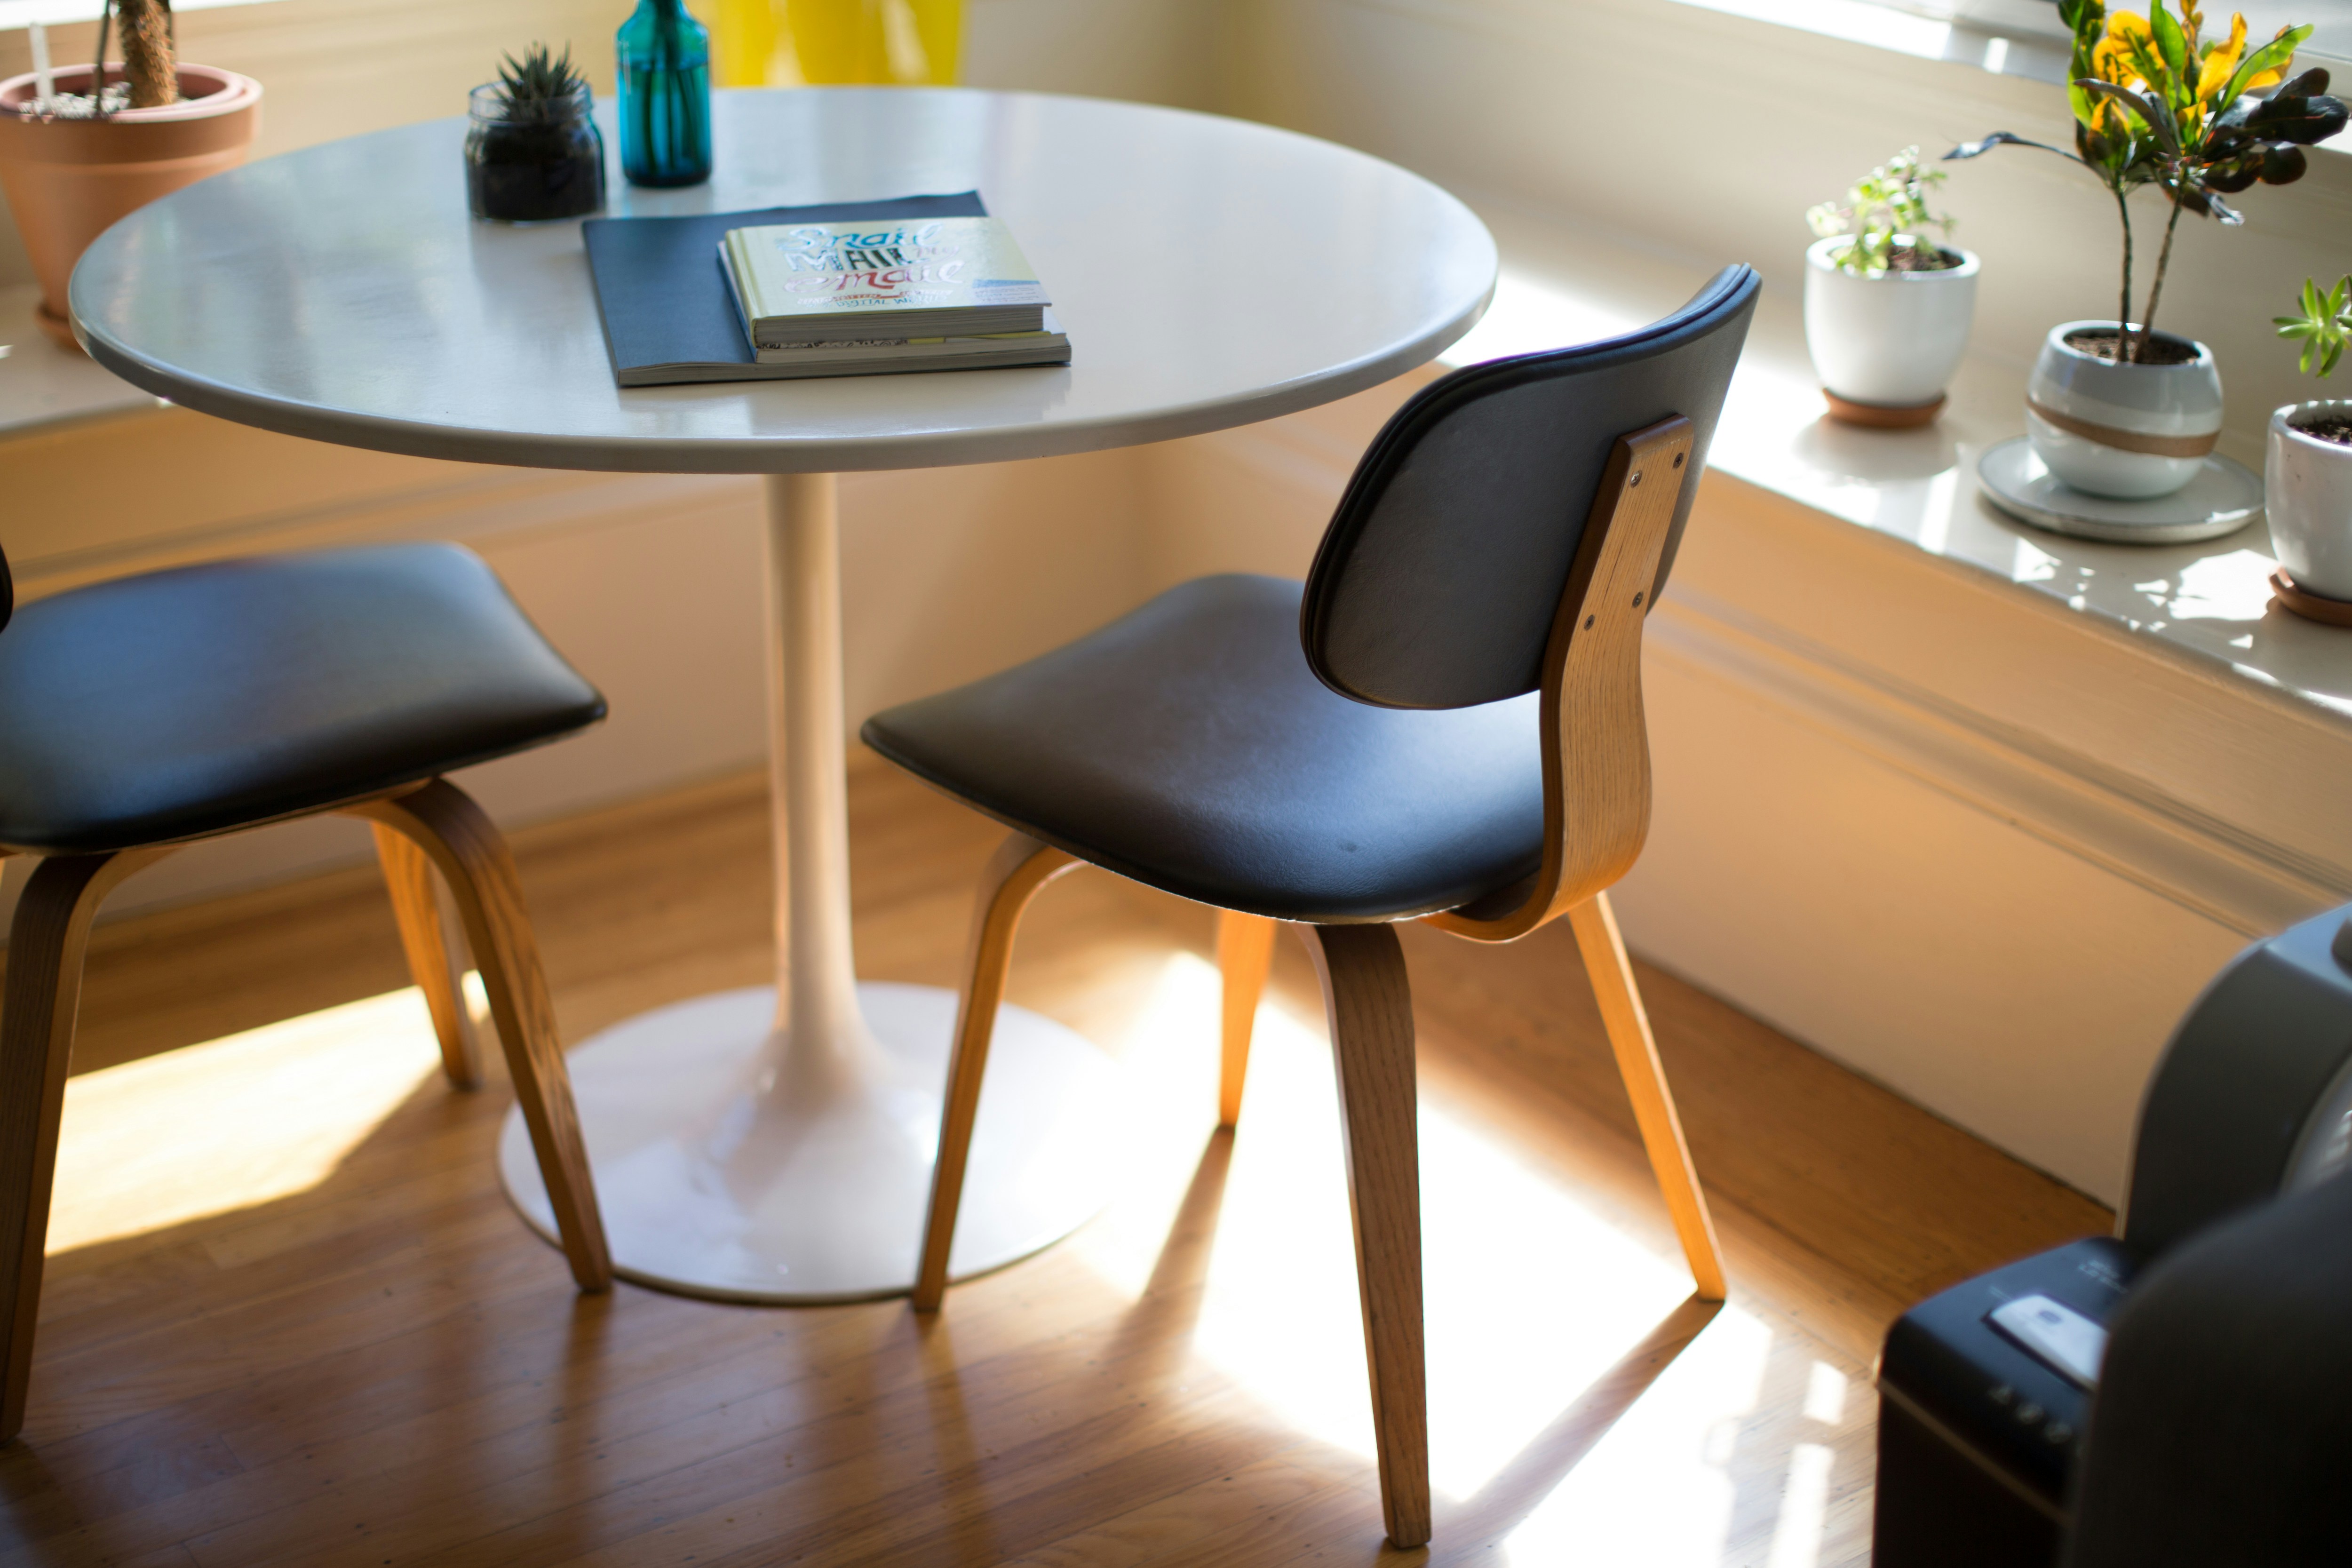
<point>1886,213</point>
<point>2323,321</point>
<point>531,85</point>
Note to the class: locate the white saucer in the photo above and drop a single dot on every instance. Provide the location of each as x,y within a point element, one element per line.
<point>2222,499</point>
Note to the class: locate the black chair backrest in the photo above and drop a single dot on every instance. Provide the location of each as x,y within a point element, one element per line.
<point>1436,583</point>
<point>8,592</point>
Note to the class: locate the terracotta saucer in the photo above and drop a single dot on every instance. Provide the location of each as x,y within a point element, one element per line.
<point>2310,606</point>
<point>1883,415</point>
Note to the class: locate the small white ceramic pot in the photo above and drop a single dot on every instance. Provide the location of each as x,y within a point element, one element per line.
<point>2308,493</point>
<point>1893,341</point>
<point>2132,432</point>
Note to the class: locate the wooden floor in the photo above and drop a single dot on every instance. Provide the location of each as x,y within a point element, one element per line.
<point>289,1320</point>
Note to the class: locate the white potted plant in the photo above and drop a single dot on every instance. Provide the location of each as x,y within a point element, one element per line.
<point>2115,407</point>
<point>2308,478</point>
<point>1888,309</point>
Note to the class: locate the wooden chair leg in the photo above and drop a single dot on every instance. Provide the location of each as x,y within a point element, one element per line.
<point>1370,1009</point>
<point>1019,868</point>
<point>1244,953</point>
<point>36,1029</point>
<point>443,822</point>
<point>436,958</point>
<point>1628,1024</point>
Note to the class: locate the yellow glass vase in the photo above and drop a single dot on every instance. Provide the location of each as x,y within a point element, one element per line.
<point>790,43</point>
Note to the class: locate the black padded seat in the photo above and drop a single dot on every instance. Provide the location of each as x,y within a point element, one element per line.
<point>1187,745</point>
<point>198,700</point>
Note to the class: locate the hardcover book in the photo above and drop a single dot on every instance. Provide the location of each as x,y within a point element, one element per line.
<point>670,316</point>
<point>836,282</point>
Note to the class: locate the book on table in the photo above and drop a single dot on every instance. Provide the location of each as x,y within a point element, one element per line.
<point>919,283</point>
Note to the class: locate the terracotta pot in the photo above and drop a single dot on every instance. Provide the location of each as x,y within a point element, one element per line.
<point>69,180</point>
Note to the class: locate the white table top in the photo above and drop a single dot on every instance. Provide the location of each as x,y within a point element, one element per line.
<point>1210,272</point>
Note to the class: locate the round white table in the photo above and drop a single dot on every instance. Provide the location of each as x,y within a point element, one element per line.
<point>1210,272</point>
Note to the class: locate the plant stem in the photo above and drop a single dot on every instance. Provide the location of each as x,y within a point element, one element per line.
<point>98,71</point>
<point>2155,289</point>
<point>2122,308</point>
<point>147,55</point>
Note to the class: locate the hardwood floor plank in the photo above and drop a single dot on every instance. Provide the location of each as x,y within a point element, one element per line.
<point>384,1366</point>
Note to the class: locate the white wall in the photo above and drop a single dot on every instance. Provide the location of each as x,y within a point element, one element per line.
<point>339,67</point>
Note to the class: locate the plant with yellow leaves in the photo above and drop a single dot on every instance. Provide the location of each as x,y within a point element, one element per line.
<point>2156,103</point>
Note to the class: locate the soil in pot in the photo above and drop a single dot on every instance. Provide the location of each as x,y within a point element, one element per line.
<point>2162,348</point>
<point>2335,428</point>
<point>1921,259</point>
<point>532,161</point>
<point>523,172</point>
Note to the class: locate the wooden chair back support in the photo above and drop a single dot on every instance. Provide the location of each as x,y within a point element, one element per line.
<point>1596,743</point>
<point>1509,531</point>
<point>1439,581</point>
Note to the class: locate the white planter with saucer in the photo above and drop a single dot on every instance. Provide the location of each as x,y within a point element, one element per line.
<point>1885,347</point>
<point>2310,505</point>
<point>2125,432</point>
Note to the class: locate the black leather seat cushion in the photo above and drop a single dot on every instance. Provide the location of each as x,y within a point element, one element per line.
<point>1187,745</point>
<point>196,700</point>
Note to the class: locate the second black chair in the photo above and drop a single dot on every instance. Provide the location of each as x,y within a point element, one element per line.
<point>148,712</point>
<point>1443,723</point>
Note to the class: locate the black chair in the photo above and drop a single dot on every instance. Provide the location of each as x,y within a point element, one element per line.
<point>1461,742</point>
<point>146,713</point>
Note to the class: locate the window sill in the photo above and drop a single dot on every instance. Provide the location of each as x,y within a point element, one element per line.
<point>43,387</point>
<point>2209,603</point>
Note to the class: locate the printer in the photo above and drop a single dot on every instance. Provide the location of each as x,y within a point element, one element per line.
<point>1986,1391</point>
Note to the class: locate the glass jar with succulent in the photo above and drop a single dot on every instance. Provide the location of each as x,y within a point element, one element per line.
<point>2156,103</point>
<point>532,151</point>
<point>1887,306</point>
<point>2308,481</point>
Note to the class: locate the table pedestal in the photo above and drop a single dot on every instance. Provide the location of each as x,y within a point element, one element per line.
<point>776,1144</point>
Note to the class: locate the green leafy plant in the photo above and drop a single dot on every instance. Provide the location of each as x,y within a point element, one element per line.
<point>2325,325</point>
<point>2156,104</point>
<point>1886,213</point>
<point>532,86</point>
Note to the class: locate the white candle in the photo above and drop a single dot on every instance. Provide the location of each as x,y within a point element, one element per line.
<point>44,85</point>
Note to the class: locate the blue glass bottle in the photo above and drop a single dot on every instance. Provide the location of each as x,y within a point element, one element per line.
<point>665,98</point>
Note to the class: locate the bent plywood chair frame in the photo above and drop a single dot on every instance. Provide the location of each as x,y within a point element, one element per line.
<point>1596,786</point>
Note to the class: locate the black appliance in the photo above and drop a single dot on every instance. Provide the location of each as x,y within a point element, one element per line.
<point>1985,1390</point>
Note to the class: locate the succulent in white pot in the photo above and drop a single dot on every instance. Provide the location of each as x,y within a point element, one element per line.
<point>1888,309</point>
<point>2308,481</point>
<point>2116,408</point>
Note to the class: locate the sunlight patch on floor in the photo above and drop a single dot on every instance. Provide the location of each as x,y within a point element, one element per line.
<point>1532,1297</point>
<point>1658,1488</point>
<point>234,1122</point>
<point>1168,1068</point>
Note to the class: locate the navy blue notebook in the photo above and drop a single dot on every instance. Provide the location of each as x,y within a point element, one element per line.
<point>663,294</point>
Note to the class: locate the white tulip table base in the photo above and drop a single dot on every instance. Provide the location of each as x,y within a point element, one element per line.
<point>726,1169</point>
